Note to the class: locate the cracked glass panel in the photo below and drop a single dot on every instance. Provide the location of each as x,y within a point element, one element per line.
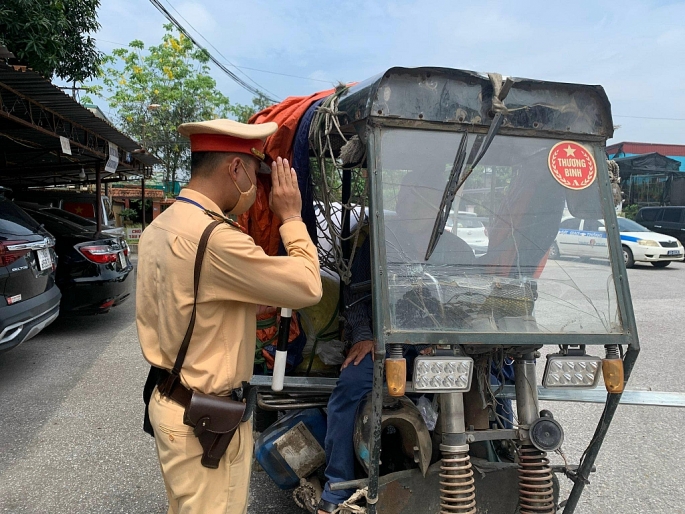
<point>523,248</point>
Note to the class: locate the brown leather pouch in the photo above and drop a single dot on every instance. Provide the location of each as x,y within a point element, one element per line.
<point>214,420</point>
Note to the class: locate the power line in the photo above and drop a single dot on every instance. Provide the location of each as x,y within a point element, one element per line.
<point>245,67</point>
<point>217,50</point>
<point>223,68</point>
<point>647,118</point>
<point>285,74</point>
<point>112,42</point>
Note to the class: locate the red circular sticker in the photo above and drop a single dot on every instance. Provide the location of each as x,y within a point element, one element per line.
<point>572,165</point>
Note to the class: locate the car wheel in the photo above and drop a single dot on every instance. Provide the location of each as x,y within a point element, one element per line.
<point>661,264</point>
<point>628,257</point>
<point>554,251</point>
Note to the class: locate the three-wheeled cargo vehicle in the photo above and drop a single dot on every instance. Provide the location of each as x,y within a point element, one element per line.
<point>414,164</point>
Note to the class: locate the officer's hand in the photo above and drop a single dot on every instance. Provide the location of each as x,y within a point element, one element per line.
<point>285,200</point>
<point>358,352</point>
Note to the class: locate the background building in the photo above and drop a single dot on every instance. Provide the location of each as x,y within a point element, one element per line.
<point>651,174</point>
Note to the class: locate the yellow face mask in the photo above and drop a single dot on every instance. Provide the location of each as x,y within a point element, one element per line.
<point>247,198</point>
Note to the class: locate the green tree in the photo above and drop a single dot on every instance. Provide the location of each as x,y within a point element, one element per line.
<point>243,113</point>
<point>52,36</point>
<point>154,91</point>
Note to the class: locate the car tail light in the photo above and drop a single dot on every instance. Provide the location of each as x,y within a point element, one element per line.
<point>8,255</point>
<point>99,254</point>
<point>485,231</point>
<point>126,248</point>
<point>107,304</point>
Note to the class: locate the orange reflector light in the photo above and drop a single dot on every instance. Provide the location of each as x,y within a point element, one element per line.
<point>612,369</point>
<point>396,376</point>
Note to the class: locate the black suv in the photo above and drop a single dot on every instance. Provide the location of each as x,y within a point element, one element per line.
<point>30,299</point>
<point>94,272</point>
<point>664,220</point>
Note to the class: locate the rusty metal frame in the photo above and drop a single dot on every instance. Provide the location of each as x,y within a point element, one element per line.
<point>38,117</point>
<point>384,335</point>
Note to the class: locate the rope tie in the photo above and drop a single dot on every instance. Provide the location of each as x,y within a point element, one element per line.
<point>324,137</point>
<point>615,180</point>
<point>500,89</point>
<point>350,506</point>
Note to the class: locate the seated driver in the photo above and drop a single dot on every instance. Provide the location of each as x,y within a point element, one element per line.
<point>407,238</point>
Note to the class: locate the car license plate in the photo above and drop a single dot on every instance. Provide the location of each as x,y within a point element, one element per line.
<point>674,252</point>
<point>122,259</point>
<point>44,259</point>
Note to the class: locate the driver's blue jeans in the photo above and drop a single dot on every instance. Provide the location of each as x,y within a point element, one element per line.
<point>354,384</point>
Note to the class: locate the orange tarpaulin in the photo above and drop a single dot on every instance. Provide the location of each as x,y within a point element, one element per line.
<point>259,221</point>
<point>287,114</point>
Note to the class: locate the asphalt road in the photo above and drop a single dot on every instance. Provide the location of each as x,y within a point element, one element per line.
<point>71,414</point>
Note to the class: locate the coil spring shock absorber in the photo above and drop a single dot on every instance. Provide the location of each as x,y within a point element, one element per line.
<point>395,351</point>
<point>457,486</point>
<point>536,490</point>
<point>612,351</point>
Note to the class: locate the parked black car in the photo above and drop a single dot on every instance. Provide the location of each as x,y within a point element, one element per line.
<point>664,220</point>
<point>77,202</point>
<point>74,218</point>
<point>30,298</point>
<point>94,270</point>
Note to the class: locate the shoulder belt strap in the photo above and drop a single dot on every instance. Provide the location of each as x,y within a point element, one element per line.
<point>201,247</point>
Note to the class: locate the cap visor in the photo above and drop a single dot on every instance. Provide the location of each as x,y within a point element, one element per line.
<point>264,168</point>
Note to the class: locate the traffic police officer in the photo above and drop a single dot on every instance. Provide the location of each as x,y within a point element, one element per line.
<point>236,277</point>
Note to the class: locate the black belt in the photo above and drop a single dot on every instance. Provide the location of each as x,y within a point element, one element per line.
<point>182,395</point>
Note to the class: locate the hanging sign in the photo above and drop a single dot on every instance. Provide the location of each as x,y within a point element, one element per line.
<point>572,165</point>
<point>66,145</point>
<point>113,160</point>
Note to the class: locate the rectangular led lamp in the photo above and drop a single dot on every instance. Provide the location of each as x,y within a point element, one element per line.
<point>438,374</point>
<point>565,371</point>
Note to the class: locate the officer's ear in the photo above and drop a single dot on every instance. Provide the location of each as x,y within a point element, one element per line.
<point>233,164</point>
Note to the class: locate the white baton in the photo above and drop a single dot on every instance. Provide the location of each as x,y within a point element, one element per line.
<point>281,350</point>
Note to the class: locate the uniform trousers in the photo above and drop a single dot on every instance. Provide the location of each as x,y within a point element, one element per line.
<point>354,384</point>
<point>190,487</point>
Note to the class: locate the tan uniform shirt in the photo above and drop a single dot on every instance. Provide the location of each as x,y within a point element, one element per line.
<point>236,277</point>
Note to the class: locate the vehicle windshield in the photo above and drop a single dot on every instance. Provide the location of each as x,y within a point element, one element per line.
<point>55,225</point>
<point>505,282</point>
<point>14,221</point>
<point>626,225</point>
<point>74,218</point>
<point>469,223</point>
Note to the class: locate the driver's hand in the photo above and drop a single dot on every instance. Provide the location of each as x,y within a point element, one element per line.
<point>358,352</point>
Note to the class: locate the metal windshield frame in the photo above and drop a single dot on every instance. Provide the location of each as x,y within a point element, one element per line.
<point>382,324</point>
<point>406,98</point>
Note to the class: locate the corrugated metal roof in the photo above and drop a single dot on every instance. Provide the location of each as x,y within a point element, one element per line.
<point>648,164</point>
<point>37,88</point>
<point>628,147</point>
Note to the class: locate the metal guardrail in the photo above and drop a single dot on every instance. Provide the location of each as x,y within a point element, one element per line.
<point>599,395</point>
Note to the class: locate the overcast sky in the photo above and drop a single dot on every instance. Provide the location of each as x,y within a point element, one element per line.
<point>635,49</point>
